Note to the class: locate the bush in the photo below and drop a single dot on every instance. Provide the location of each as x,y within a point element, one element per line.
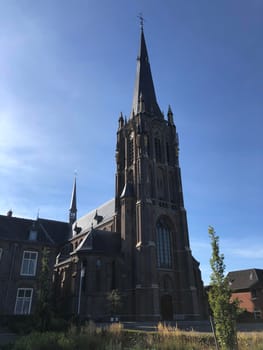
<point>59,325</point>
<point>44,341</point>
<point>20,324</point>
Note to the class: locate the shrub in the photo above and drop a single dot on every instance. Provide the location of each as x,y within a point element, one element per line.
<point>21,324</point>
<point>115,329</point>
<point>59,325</point>
<point>44,341</point>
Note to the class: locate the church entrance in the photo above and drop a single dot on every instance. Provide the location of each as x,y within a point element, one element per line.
<point>167,307</point>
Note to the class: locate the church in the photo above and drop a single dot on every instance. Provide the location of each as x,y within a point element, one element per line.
<point>129,258</point>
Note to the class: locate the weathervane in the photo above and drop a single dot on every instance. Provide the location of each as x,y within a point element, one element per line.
<point>141,20</point>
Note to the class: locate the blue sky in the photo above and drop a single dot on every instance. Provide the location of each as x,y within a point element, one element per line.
<point>67,70</point>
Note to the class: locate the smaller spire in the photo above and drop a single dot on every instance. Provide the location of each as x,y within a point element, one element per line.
<point>73,204</point>
<point>170,116</point>
<point>121,121</point>
<point>170,110</point>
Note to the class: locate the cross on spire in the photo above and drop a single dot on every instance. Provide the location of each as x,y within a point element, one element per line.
<point>141,20</point>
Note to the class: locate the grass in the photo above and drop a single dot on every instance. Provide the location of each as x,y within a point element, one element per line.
<point>115,337</point>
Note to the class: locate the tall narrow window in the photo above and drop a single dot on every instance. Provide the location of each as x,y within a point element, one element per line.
<point>172,187</point>
<point>98,275</point>
<point>158,153</point>
<point>167,152</point>
<point>23,301</point>
<point>1,253</point>
<point>29,263</point>
<point>130,151</point>
<point>163,241</point>
<point>160,183</point>
<point>83,270</point>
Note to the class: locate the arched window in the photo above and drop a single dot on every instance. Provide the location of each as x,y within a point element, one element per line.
<point>163,240</point>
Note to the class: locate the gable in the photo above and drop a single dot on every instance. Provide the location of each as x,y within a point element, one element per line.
<point>245,279</point>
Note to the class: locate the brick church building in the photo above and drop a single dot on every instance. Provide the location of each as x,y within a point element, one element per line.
<point>136,243</point>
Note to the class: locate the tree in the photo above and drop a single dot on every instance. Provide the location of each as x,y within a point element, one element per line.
<point>43,306</point>
<point>224,310</point>
<point>114,300</point>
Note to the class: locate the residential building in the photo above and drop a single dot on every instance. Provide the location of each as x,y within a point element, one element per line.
<point>247,288</point>
<point>22,242</point>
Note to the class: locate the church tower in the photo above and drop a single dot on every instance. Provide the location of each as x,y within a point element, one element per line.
<point>161,279</point>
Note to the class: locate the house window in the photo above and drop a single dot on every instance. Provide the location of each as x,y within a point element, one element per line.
<point>29,263</point>
<point>253,293</point>
<point>164,259</point>
<point>23,301</point>
<point>1,253</point>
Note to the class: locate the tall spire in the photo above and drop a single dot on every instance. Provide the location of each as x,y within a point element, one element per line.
<point>144,88</point>
<point>73,204</point>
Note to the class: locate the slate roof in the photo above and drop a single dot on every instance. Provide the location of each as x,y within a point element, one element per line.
<point>245,279</point>
<point>100,241</point>
<point>18,229</point>
<point>105,212</point>
<point>144,89</point>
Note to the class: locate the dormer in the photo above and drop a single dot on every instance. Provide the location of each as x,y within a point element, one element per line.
<point>32,235</point>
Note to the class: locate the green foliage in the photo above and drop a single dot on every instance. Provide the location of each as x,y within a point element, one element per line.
<point>224,310</point>
<point>43,308</point>
<point>58,324</point>
<point>91,337</point>
<point>44,341</point>
<point>20,324</point>
<point>114,300</point>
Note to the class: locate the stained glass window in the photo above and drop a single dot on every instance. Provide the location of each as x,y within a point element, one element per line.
<point>164,259</point>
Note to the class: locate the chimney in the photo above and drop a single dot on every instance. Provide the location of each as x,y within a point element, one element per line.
<point>9,213</point>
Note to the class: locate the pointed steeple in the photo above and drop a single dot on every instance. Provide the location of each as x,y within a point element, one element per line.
<point>170,116</point>
<point>73,204</point>
<point>144,87</point>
